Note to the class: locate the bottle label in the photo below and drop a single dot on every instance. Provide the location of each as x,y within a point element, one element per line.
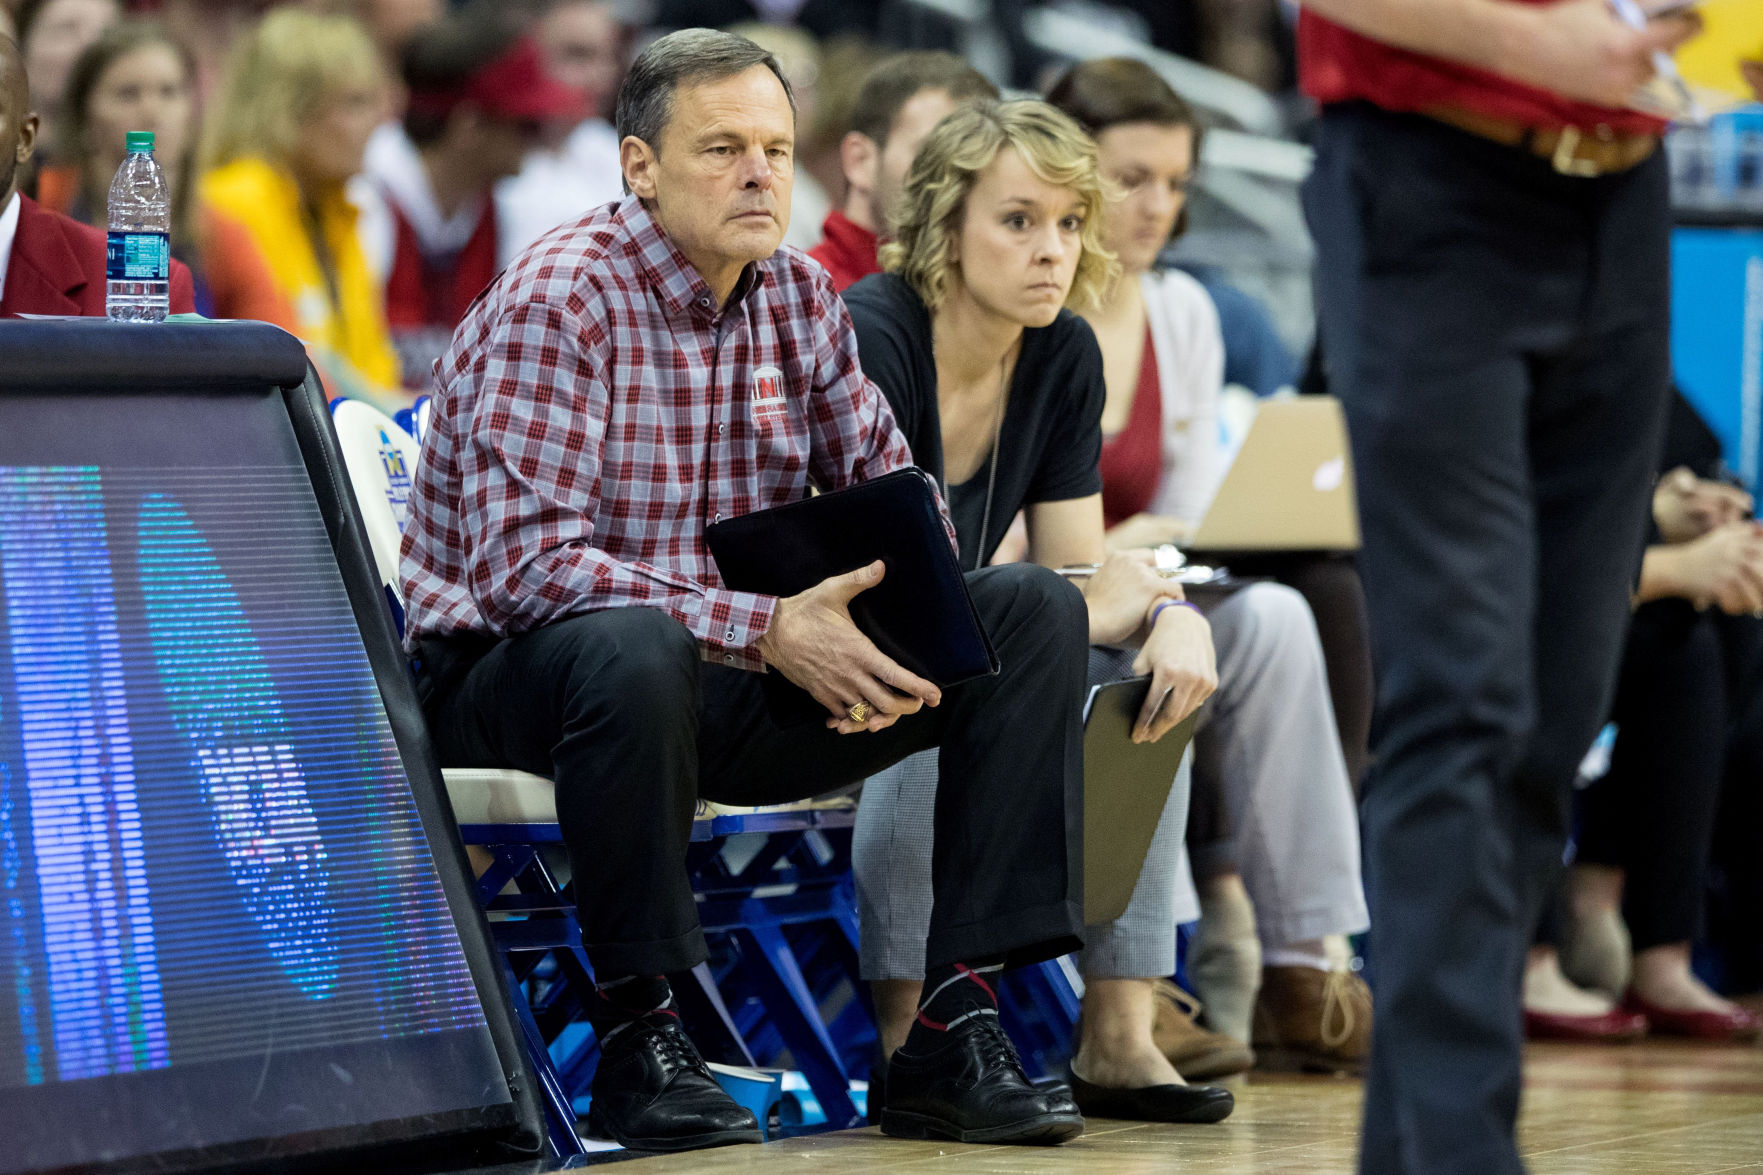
<point>138,257</point>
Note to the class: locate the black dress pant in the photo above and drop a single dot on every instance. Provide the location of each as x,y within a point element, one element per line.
<point>634,727</point>
<point>1497,335</point>
<point>1689,717</point>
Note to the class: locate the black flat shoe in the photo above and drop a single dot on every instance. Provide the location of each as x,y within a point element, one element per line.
<point>653,1092</point>
<point>972,1089</point>
<point>1154,1103</point>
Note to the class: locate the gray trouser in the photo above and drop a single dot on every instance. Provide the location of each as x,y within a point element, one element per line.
<point>1269,732</point>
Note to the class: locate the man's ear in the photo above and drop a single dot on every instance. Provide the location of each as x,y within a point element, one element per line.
<point>860,159</point>
<point>27,138</point>
<point>637,160</point>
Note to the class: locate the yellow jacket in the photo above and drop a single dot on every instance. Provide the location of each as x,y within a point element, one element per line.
<point>265,201</point>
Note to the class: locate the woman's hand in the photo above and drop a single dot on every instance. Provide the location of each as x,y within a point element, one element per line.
<point>1754,75</point>
<point>1148,530</point>
<point>1121,594</point>
<point>1183,667</point>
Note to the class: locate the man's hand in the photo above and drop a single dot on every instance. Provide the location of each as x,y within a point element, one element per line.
<point>1687,507</point>
<point>1580,49</point>
<point>1724,568</point>
<point>1184,671</point>
<point>1121,593</point>
<point>813,642</point>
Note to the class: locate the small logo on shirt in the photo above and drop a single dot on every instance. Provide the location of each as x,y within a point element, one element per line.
<point>768,394</point>
<point>1329,476</point>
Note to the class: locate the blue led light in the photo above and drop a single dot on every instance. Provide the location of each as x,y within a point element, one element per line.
<point>224,701</point>
<point>106,1007</point>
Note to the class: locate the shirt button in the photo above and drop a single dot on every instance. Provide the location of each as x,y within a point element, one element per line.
<point>718,518</point>
<point>731,634</point>
<point>729,657</point>
<point>719,430</point>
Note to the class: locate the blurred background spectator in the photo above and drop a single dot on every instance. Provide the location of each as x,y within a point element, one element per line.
<point>290,127</point>
<point>52,34</point>
<point>478,100</point>
<point>586,48</point>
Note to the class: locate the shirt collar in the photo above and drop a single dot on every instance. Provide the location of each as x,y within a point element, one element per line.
<point>682,288</point>
<point>8,230</point>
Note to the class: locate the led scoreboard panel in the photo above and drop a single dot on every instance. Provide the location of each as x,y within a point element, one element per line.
<point>222,925</point>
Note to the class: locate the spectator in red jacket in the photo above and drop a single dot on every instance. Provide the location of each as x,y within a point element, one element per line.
<point>49,263</point>
<point>903,97</point>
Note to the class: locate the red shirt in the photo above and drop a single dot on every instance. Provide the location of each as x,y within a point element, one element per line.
<point>598,409</point>
<point>426,297</point>
<point>1132,459</point>
<point>1338,65</point>
<point>847,249</point>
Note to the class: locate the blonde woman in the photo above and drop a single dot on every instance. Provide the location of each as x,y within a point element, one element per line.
<point>999,391</point>
<point>303,92</point>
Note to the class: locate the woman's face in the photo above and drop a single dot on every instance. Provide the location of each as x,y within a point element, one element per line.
<point>1019,242</point>
<point>59,35</point>
<point>332,142</point>
<point>1151,164</point>
<point>143,90</point>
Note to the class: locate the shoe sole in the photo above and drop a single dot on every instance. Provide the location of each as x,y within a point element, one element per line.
<point>1040,1130</point>
<point>599,1130</point>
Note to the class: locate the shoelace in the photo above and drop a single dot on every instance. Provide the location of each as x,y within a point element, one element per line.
<point>1337,1003</point>
<point>995,1049</point>
<point>674,1050</point>
<point>1184,1002</point>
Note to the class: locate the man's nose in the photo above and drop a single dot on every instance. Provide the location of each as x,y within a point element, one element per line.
<point>756,170</point>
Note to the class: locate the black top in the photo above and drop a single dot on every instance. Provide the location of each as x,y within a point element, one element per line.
<point>1051,446</point>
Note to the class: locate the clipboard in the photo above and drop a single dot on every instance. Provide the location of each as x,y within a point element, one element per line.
<point>1126,786</point>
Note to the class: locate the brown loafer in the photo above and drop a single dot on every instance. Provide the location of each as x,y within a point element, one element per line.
<point>1197,1053</point>
<point>1313,1020</point>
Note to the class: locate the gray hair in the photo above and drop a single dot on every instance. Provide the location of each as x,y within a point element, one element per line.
<point>690,56</point>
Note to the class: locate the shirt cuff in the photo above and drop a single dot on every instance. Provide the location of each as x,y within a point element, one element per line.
<point>729,624</point>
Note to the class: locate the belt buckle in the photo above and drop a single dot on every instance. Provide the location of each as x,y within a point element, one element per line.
<point>1563,160</point>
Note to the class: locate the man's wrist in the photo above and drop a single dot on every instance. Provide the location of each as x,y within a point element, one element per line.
<point>1162,606</point>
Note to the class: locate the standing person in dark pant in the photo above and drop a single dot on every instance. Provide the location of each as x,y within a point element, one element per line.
<point>1492,233</point>
<point>630,379</point>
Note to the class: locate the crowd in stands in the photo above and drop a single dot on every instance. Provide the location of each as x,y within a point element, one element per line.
<point>360,171</point>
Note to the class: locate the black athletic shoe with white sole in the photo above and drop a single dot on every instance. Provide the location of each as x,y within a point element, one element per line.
<point>971,1088</point>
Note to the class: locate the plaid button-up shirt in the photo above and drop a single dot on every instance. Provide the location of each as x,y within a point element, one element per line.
<point>597,410</point>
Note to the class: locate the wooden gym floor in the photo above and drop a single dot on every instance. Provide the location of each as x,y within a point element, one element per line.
<point>1652,1108</point>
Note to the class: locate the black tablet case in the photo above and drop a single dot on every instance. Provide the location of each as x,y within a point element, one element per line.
<point>920,614</point>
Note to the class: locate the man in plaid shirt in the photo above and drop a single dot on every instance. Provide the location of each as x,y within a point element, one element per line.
<point>630,379</point>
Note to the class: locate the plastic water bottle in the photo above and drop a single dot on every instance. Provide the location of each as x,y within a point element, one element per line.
<point>138,259</point>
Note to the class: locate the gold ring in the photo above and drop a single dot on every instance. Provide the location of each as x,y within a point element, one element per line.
<point>860,712</point>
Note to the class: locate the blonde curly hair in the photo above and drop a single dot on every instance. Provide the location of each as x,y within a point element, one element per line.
<point>929,212</point>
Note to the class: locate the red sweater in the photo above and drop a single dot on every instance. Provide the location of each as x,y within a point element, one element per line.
<point>1338,65</point>
<point>57,267</point>
<point>846,249</point>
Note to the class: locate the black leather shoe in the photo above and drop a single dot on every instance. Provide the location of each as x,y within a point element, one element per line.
<point>1154,1103</point>
<point>652,1092</point>
<point>972,1089</point>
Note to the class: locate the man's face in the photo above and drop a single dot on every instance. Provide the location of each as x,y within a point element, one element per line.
<point>18,127</point>
<point>719,180</point>
<point>912,126</point>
